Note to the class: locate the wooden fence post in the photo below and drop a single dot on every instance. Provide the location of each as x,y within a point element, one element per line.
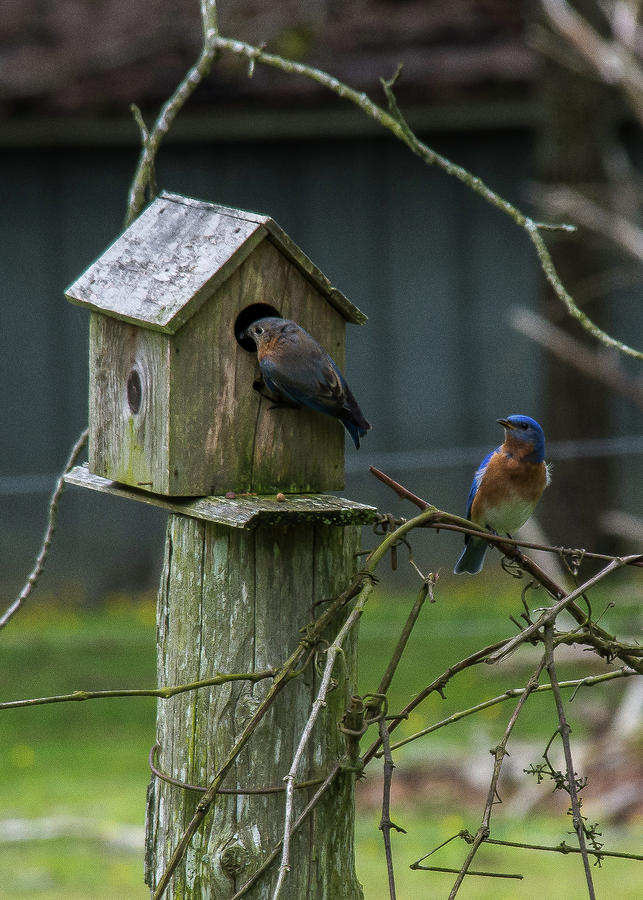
<point>233,600</point>
<point>173,415</point>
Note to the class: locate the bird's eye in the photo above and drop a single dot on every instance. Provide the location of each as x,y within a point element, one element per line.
<point>258,329</point>
<point>524,426</point>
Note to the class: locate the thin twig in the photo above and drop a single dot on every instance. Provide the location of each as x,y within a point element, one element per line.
<point>499,753</point>
<point>318,704</point>
<point>184,785</point>
<point>385,822</point>
<point>606,222</point>
<point>468,837</point>
<point>41,559</point>
<point>387,678</point>
<point>589,681</point>
<point>371,563</point>
<point>436,686</point>
<point>163,692</point>
<point>152,138</point>
<point>400,129</point>
<point>469,872</point>
<point>553,611</point>
<point>444,521</point>
<point>564,731</point>
<point>564,849</point>
<point>314,800</point>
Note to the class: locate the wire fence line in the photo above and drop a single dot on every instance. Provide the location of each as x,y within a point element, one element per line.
<point>404,460</point>
<point>451,457</point>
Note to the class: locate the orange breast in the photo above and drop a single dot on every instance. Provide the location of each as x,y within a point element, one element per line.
<point>508,492</point>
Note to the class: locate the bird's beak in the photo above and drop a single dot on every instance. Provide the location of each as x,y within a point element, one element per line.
<point>505,423</point>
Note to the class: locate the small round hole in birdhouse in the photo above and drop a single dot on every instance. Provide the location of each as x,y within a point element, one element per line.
<point>246,317</point>
<point>134,391</point>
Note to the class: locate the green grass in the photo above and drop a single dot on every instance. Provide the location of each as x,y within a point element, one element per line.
<point>70,869</point>
<point>89,759</point>
<point>85,759</point>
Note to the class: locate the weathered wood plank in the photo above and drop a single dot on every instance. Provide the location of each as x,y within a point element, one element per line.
<point>160,270</point>
<point>288,247</point>
<point>123,445</point>
<point>239,512</point>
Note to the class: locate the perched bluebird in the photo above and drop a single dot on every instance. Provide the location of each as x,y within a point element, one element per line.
<point>298,371</point>
<point>506,487</point>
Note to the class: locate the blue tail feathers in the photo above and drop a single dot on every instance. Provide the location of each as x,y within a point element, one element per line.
<point>355,431</point>
<point>472,557</point>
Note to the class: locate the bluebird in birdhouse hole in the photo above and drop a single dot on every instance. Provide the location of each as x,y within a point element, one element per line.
<point>506,488</point>
<point>298,372</point>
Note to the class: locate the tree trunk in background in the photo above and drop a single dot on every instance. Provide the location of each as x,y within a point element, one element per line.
<point>575,139</point>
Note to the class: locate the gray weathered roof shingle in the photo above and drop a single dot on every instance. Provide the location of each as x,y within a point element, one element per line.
<point>162,268</point>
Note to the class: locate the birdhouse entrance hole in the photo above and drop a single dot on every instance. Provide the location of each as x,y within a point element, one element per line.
<point>245,319</point>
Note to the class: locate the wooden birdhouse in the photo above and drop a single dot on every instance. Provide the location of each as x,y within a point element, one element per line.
<point>172,406</point>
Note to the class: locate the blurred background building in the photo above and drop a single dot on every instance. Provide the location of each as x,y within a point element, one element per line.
<point>451,286</point>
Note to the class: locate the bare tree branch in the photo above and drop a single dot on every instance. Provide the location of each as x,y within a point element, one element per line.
<point>499,754</point>
<point>612,60</point>
<point>152,139</point>
<point>163,692</point>
<point>564,849</point>
<point>397,126</point>
<point>436,686</point>
<point>443,520</point>
<point>589,681</point>
<point>568,201</point>
<point>592,363</point>
<point>314,800</point>
<point>564,730</point>
<point>386,824</point>
<point>43,553</point>
<point>318,704</point>
<point>550,614</point>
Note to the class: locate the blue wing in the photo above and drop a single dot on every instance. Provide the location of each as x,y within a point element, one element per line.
<point>319,385</point>
<point>477,478</point>
<point>472,557</point>
<point>302,372</point>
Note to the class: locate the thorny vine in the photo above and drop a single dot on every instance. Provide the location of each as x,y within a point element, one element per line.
<point>371,710</point>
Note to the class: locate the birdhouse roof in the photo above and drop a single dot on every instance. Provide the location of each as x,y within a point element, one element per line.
<point>175,254</point>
